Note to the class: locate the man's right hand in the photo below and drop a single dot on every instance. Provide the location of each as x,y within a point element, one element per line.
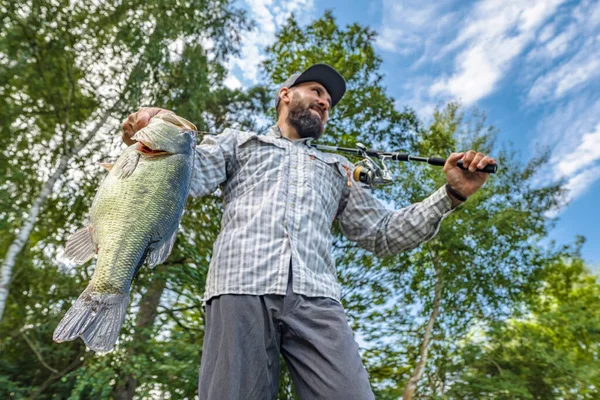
<point>139,120</point>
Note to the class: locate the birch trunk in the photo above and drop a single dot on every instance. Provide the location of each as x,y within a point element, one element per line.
<point>34,211</point>
<point>411,385</point>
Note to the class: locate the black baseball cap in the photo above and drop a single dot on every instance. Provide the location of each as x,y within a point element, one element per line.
<point>326,75</point>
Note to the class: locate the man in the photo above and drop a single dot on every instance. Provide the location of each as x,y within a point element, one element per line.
<point>272,285</point>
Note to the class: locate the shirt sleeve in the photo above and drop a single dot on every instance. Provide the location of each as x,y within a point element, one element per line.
<point>376,228</point>
<point>214,158</point>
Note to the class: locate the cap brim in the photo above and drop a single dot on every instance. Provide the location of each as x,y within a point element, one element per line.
<point>327,76</point>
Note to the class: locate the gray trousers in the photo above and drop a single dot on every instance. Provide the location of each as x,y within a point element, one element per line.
<point>245,335</point>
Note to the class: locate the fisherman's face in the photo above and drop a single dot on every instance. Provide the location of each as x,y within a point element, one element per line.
<point>309,109</point>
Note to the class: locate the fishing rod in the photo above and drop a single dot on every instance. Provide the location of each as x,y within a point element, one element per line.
<point>370,172</point>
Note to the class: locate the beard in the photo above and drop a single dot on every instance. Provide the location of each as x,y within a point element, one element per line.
<point>306,123</point>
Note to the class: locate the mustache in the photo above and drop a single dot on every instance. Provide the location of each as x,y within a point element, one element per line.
<point>320,109</point>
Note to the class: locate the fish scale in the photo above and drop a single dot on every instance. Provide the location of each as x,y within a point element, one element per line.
<point>133,219</point>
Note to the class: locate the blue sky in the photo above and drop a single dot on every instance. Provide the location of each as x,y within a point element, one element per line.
<point>533,66</point>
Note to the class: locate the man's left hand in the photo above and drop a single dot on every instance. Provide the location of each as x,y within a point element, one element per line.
<point>467,182</point>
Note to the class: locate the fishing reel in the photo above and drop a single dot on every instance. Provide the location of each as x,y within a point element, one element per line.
<point>370,172</point>
<point>376,174</point>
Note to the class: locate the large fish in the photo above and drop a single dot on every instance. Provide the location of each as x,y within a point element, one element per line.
<point>134,219</point>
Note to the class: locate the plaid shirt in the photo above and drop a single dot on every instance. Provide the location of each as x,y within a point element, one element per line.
<point>280,200</point>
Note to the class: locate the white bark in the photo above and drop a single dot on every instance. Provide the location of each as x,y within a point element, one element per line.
<point>411,385</point>
<point>34,211</point>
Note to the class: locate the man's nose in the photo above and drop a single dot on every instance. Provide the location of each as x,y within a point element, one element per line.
<point>324,104</point>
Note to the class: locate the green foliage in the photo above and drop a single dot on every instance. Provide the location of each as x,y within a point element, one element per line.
<point>486,257</point>
<point>550,353</point>
<point>64,65</point>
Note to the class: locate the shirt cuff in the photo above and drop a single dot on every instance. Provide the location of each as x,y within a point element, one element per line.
<point>440,202</point>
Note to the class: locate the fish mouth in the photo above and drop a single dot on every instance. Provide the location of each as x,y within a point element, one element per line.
<point>144,148</point>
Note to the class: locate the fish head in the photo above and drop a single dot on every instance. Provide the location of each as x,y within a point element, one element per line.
<point>166,134</point>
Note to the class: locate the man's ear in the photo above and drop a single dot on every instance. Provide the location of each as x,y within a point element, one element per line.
<point>284,95</point>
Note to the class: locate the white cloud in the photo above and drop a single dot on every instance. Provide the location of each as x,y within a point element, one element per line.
<point>568,59</point>
<point>405,24</point>
<point>563,124</point>
<point>586,154</point>
<point>232,82</point>
<point>495,33</point>
<point>582,182</point>
<point>571,129</point>
<point>549,47</point>
<point>554,46</point>
<point>268,17</point>
<point>556,83</point>
<point>466,49</point>
<point>547,32</point>
<point>563,75</point>
<point>413,25</point>
<point>415,93</point>
<point>576,186</point>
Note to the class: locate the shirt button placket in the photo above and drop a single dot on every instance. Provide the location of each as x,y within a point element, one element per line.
<point>293,186</point>
<point>291,204</point>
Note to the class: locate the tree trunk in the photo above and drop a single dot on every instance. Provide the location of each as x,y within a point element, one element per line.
<point>125,389</point>
<point>411,385</point>
<point>25,230</point>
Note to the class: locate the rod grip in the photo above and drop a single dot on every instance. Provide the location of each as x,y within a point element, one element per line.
<point>490,168</point>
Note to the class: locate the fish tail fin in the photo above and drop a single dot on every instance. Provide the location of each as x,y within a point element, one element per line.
<point>96,318</point>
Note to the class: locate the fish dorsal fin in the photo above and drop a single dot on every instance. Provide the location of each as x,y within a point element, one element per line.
<point>126,164</point>
<point>160,254</point>
<point>177,121</point>
<point>81,246</point>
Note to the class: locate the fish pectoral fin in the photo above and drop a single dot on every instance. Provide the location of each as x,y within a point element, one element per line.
<point>81,246</point>
<point>107,166</point>
<point>107,163</point>
<point>160,254</point>
<point>126,164</point>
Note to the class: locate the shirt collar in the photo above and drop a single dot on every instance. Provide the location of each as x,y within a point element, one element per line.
<point>276,132</point>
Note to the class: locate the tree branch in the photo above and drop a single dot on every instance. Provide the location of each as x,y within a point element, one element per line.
<point>38,354</point>
<point>411,385</point>
<point>166,309</point>
<point>75,364</point>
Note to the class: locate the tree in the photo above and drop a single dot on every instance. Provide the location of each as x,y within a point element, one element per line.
<point>57,99</point>
<point>550,353</point>
<point>67,69</point>
<point>484,260</point>
<point>483,263</point>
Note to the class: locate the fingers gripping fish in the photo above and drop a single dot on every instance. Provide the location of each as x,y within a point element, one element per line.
<point>133,219</point>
